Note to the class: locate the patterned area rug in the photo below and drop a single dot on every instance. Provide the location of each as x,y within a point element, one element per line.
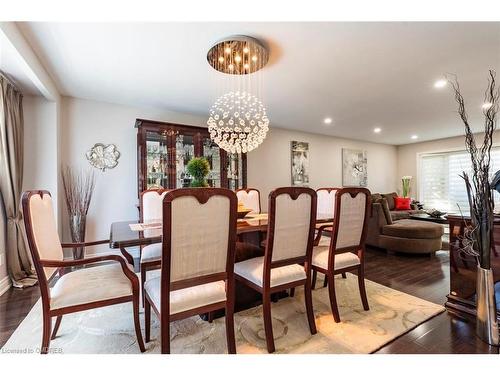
<point>111,329</point>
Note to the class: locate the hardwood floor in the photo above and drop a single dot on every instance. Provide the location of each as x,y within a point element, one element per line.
<point>421,276</point>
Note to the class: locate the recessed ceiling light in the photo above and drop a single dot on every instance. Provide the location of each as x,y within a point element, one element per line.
<point>377,130</point>
<point>440,84</point>
<point>414,136</point>
<point>327,120</point>
<point>487,105</point>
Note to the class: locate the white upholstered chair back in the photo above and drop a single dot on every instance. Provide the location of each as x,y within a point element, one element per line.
<point>351,213</point>
<point>199,236</point>
<point>152,204</point>
<point>250,199</point>
<point>292,221</point>
<point>43,230</point>
<point>326,202</point>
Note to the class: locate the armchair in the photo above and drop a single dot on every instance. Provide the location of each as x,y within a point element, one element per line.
<point>78,290</point>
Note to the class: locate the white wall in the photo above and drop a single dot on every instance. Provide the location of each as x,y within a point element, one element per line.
<point>85,123</point>
<point>41,158</point>
<point>269,166</point>
<point>408,155</point>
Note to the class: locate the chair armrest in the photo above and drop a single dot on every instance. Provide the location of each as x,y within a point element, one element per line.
<point>80,262</point>
<point>83,244</point>
<point>322,226</point>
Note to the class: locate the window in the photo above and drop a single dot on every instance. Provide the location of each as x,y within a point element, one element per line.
<point>440,184</point>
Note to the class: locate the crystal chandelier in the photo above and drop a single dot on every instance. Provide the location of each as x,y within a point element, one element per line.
<point>238,121</point>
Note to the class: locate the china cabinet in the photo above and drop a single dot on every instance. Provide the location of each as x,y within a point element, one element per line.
<point>164,149</point>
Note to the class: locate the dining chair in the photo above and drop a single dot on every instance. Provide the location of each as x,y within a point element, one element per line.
<point>287,258</point>
<point>151,206</point>
<point>347,244</point>
<point>85,288</point>
<point>198,249</point>
<point>250,198</point>
<point>326,207</point>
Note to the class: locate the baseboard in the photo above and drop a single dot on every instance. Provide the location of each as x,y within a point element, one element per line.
<point>5,285</point>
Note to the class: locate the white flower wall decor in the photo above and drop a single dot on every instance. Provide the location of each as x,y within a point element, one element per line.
<point>103,157</point>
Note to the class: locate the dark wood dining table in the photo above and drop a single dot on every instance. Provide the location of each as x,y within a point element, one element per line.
<point>123,237</point>
<point>250,230</point>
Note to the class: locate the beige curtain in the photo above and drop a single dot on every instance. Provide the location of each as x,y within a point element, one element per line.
<point>11,180</point>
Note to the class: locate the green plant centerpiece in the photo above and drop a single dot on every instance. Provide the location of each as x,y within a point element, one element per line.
<point>198,168</point>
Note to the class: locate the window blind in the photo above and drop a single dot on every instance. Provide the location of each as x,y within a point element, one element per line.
<point>440,184</point>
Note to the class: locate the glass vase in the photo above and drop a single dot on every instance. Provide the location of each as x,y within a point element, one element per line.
<point>77,224</point>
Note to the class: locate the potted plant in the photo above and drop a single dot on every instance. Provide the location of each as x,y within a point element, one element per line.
<point>481,209</point>
<point>406,182</point>
<point>198,168</point>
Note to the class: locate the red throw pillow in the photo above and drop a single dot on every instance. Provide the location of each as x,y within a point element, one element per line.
<point>402,203</point>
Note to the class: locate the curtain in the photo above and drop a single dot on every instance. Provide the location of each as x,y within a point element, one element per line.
<point>11,179</point>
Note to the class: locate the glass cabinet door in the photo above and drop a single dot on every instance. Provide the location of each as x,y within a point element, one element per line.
<point>211,152</point>
<point>184,152</point>
<point>156,161</point>
<point>234,171</point>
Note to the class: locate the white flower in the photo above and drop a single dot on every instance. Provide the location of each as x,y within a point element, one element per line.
<point>406,177</point>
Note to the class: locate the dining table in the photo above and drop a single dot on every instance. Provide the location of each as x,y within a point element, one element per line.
<point>251,231</point>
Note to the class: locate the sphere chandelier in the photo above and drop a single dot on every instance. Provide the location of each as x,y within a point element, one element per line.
<point>238,122</point>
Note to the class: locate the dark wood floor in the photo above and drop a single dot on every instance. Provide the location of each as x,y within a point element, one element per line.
<point>421,276</point>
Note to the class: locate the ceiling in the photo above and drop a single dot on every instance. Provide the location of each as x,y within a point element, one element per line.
<point>14,67</point>
<point>362,75</point>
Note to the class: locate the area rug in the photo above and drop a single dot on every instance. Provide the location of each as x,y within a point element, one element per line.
<point>111,329</point>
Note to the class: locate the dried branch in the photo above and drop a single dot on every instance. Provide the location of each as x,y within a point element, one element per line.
<point>478,186</point>
<point>78,188</point>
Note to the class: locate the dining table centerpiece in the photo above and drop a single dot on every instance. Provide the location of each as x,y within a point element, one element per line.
<point>480,197</point>
<point>198,168</point>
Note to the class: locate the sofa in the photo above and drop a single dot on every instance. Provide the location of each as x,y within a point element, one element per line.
<point>395,214</point>
<point>388,229</point>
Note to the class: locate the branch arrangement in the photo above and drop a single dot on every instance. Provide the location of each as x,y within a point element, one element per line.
<point>478,186</point>
<point>78,188</point>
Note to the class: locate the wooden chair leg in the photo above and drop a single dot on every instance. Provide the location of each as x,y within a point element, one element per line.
<point>165,334</point>
<point>314,276</point>
<point>309,307</point>
<point>231,342</point>
<point>268,324</point>
<point>210,317</point>
<point>56,327</point>
<point>143,281</point>
<point>333,298</point>
<point>362,289</point>
<point>325,282</point>
<point>292,292</point>
<point>344,276</point>
<point>47,330</point>
<point>147,319</point>
<point>137,324</point>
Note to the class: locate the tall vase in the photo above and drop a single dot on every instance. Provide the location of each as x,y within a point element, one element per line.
<point>486,319</point>
<point>77,225</point>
